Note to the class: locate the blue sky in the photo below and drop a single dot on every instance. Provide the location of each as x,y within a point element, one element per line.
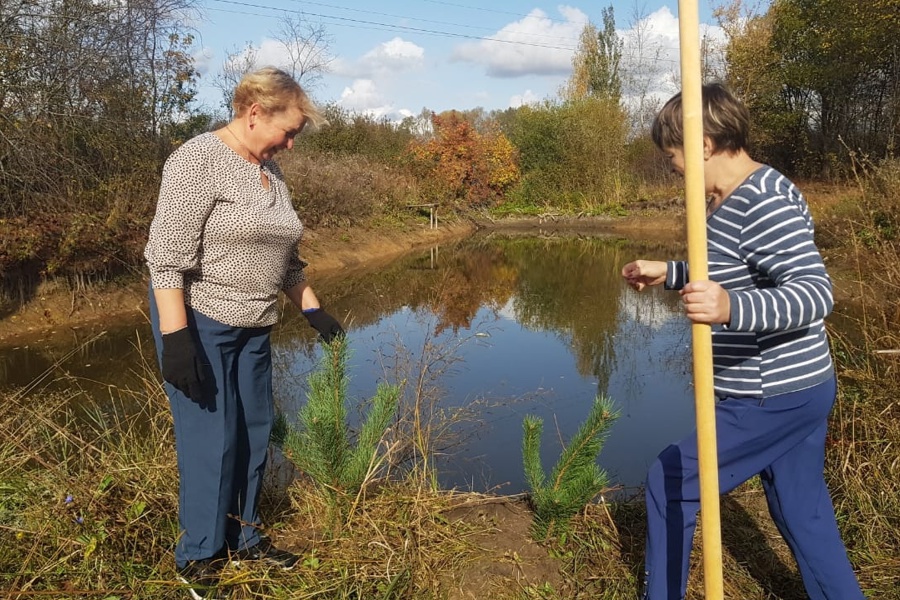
<point>393,58</point>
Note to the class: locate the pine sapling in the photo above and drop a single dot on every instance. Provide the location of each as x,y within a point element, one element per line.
<point>575,480</point>
<point>323,445</point>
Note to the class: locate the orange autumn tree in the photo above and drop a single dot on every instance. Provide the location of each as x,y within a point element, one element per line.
<point>465,165</point>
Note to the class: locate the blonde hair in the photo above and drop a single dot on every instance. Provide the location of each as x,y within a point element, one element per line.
<point>726,121</point>
<point>275,91</point>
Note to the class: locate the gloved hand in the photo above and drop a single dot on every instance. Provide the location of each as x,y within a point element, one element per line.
<point>325,324</point>
<point>181,365</point>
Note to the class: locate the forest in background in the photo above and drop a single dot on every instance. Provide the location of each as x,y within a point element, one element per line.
<point>94,96</point>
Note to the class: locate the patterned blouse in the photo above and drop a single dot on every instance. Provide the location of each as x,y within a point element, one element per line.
<point>230,243</point>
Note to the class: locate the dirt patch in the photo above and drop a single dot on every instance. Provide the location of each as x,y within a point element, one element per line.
<point>332,251</point>
<point>653,226</point>
<point>506,557</point>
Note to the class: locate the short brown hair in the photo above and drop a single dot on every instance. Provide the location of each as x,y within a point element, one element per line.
<point>275,91</point>
<point>726,121</point>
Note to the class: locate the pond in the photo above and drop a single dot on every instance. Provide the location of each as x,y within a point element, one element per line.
<point>485,330</point>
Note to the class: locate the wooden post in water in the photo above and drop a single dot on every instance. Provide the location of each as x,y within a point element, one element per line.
<point>704,395</point>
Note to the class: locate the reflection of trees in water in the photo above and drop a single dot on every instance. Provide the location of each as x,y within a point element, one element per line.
<point>453,283</point>
<point>572,285</point>
<point>650,308</point>
<point>654,336</point>
<point>567,284</point>
<point>92,358</point>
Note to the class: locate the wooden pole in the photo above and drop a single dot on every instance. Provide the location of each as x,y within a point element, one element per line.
<point>704,395</point>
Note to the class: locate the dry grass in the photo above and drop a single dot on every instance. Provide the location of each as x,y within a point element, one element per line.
<point>865,433</point>
<point>406,539</point>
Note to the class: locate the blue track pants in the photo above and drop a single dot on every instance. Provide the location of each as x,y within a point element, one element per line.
<point>222,442</point>
<point>782,439</point>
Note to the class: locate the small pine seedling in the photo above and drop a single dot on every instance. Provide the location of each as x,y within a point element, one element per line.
<point>575,480</point>
<point>322,445</point>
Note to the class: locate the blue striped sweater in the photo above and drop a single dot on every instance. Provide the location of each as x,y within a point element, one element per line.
<point>761,250</point>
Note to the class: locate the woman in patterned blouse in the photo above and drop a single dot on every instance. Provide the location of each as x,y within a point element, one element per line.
<point>222,244</point>
<point>766,299</point>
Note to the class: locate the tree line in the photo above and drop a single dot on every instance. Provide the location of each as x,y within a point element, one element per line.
<point>821,78</point>
<point>95,95</point>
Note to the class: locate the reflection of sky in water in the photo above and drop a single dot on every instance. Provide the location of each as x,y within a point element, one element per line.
<point>505,370</point>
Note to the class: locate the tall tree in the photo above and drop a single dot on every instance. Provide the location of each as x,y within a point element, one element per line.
<point>308,49</point>
<point>237,63</point>
<point>641,71</point>
<point>596,62</point>
<point>753,70</point>
<point>306,56</point>
<point>830,68</point>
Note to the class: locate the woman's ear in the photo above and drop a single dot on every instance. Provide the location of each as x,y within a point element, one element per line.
<point>254,113</point>
<point>708,147</point>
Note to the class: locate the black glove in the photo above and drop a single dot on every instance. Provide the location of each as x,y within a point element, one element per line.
<point>180,364</point>
<point>325,324</point>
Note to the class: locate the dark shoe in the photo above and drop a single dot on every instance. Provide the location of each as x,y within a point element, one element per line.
<point>201,577</point>
<point>265,552</point>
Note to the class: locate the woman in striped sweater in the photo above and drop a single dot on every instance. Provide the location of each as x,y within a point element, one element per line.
<point>766,299</point>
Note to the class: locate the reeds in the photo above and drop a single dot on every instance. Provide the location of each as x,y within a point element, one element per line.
<point>863,464</point>
<point>89,500</point>
<point>88,493</point>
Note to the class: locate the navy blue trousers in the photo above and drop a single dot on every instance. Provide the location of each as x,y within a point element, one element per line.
<point>221,441</point>
<point>782,439</point>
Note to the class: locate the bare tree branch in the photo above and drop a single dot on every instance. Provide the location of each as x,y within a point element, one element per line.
<point>308,47</point>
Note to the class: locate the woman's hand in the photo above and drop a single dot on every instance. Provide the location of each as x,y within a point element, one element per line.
<point>181,363</point>
<point>706,302</point>
<point>641,273</point>
<point>327,326</point>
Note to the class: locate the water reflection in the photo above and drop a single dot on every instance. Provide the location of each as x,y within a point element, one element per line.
<point>485,331</point>
<point>536,326</point>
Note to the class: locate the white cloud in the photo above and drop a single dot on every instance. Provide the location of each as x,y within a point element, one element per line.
<point>378,69</point>
<point>203,60</point>
<point>534,45</point>
<point>361,94</point>
<point>527,97</point>
<point>364,97</point>
<point>272,52</point>
<point>388,59</point>
<point>342,68</point>
<point>396,54</point>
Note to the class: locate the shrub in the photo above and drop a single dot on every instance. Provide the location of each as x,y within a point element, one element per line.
<point>572,156</point>
<point>470,166</point>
